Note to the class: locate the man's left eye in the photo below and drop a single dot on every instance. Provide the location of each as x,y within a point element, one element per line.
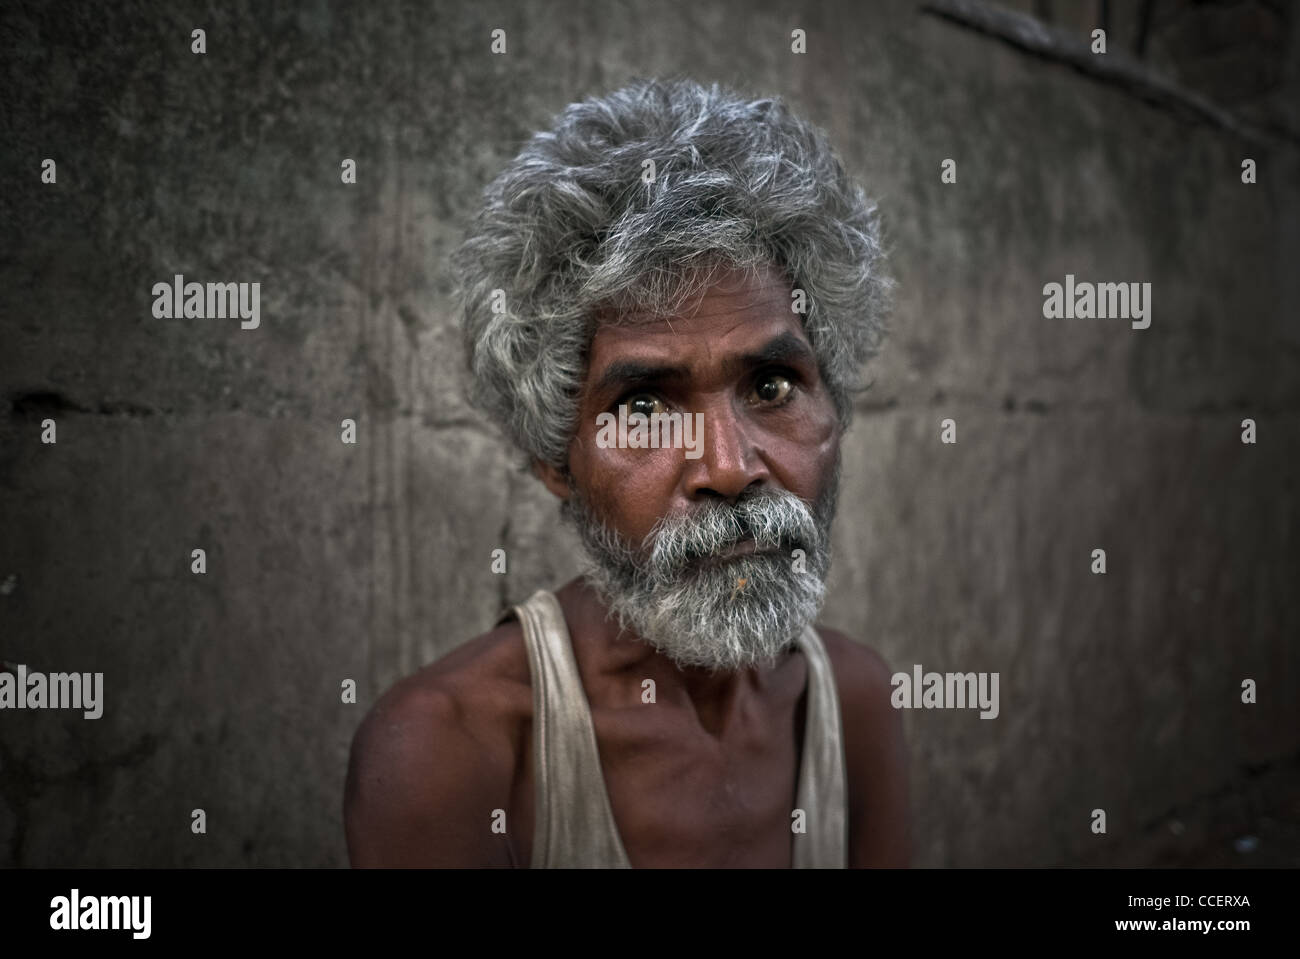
<point>773,388</point>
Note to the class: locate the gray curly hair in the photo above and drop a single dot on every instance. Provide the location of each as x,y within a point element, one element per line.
<point>570,235</point>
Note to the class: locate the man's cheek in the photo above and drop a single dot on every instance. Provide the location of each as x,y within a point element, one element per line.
<point>823,426</point>
<point>653,472</point>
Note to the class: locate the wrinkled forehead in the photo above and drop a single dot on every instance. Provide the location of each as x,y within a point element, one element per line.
<point>732,310</point>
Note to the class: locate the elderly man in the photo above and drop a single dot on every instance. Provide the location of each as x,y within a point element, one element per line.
<point>667,249</point>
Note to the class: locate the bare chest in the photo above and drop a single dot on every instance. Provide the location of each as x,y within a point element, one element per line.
<point>682,797</point>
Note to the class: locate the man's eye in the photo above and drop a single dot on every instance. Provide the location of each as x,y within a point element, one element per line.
<point>773,388</point>
<point>644,403</point>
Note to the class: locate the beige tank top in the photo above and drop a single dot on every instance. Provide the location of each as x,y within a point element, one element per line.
<point>573,823</point>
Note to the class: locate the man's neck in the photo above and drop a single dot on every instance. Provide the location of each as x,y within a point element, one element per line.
<point>715,698</point>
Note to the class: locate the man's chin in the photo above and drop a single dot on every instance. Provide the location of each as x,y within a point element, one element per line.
<point>728,614</point>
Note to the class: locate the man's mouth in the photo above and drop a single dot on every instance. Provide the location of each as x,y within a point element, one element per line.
<point>745,547</point>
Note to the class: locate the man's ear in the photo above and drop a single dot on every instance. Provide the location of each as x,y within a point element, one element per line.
<point>555,479</point>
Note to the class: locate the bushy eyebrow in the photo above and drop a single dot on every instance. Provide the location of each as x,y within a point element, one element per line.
<point>785,348</point>
<point>632,373</point>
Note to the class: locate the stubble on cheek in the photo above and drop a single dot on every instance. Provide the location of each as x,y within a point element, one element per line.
<point>629,490</point>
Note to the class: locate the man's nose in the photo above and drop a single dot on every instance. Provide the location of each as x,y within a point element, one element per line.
<point>730,461</point>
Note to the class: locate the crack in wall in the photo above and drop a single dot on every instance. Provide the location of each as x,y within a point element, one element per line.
<point>40,404</point>
<point>1032,36</point>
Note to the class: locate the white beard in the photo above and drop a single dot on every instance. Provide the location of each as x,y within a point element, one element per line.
<point>722,614</point>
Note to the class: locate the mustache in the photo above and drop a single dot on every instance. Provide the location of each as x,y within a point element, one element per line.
<point>775,520</point>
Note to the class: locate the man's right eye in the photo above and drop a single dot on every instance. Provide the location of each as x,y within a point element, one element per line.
<point>645,403</point>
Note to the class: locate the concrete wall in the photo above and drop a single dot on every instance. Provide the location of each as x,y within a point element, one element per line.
<point>329,562</point>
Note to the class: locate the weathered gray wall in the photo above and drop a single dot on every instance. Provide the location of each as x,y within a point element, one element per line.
<point>329,562</point>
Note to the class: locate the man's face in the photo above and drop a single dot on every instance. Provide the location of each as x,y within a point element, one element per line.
<point>718,558</point>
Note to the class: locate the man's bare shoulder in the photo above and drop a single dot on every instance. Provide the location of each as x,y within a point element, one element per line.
<point>436,755</point>
<point>476,690</point>
<point>862,676</point>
